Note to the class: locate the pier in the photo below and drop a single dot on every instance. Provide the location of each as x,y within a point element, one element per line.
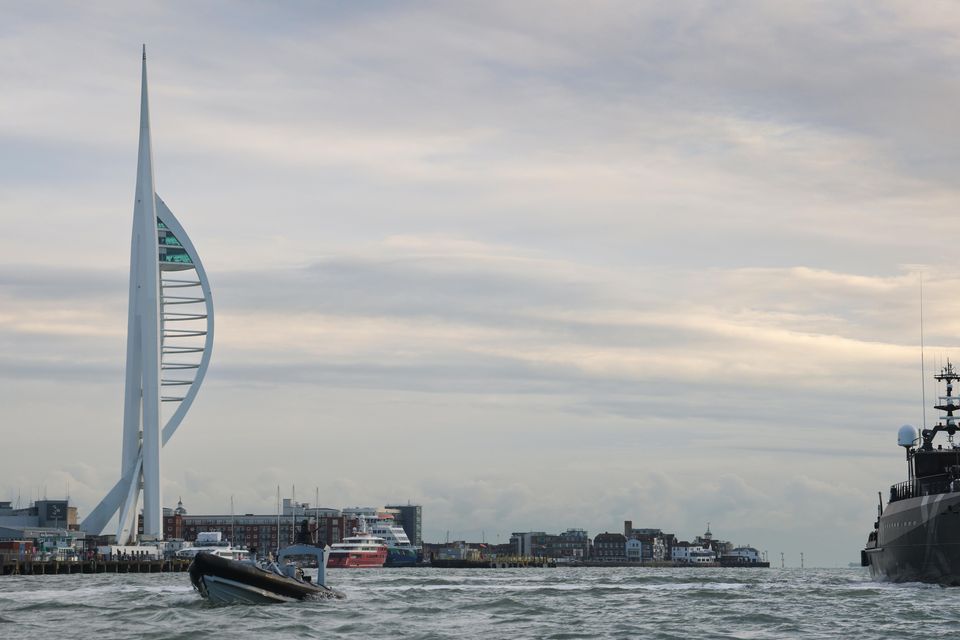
<point>65,567</point>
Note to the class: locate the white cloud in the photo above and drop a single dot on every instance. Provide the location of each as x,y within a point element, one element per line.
<point>557,259</point>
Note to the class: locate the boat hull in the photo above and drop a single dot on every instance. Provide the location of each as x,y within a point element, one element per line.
<point>400,557</point>
<point>918,540</point>
<point>224,591</point>
<point>225,581</point>
<point>357,560</point>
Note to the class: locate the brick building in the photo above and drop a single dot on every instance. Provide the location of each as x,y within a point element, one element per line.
<point>571,544</point>
<point>610,547</point>
<point>298,523</point>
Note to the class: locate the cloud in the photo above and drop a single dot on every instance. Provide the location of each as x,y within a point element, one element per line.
<point>558,260</point>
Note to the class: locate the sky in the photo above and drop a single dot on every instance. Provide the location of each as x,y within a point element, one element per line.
<point>532,265</point>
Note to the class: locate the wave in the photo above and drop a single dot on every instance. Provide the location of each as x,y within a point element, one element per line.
<point>559,604</point>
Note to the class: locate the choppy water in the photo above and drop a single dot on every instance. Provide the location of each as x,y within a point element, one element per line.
<point>483,603</point>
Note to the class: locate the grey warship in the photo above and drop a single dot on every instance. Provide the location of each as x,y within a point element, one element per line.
<point>916,537</point>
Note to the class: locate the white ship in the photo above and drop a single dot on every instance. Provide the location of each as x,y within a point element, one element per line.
<point>362,549</point>
<point>400,551</point>
<point>213,542</point>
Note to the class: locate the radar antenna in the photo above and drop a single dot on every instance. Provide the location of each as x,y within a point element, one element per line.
<point>923,374</point>
<point>949,404</point>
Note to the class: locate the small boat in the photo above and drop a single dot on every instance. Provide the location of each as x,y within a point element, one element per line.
<point>362,549</point>
<point>225,581</point>
<point>213,542</point>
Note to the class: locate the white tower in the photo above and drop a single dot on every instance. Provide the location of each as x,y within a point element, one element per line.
<point>165,273</point>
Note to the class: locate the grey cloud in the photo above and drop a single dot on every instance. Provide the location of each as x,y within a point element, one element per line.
<point>455,290</point>
<point>631,187</point>
<point>38,282</point>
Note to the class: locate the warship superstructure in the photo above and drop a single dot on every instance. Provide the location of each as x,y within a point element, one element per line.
<point>916,537</point>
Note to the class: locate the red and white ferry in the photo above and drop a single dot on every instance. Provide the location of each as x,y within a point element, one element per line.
<point>359,550</point>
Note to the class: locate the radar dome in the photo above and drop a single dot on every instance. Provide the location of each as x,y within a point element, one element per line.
<point>906,436</point>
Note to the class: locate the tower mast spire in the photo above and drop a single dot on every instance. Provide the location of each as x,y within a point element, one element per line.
<point>170,333</point>
<point>141,416</point>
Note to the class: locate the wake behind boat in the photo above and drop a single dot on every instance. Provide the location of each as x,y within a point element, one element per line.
<point>225,581</point>
<point>916,538</point>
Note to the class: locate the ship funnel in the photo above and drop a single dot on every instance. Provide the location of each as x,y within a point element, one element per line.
<point>907,436</point>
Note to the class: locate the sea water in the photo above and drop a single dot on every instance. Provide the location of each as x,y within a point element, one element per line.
<point>486,603</point>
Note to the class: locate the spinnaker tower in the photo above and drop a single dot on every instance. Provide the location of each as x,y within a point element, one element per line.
<point>169,341</point>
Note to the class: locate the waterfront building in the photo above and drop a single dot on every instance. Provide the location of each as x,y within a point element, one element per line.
<point>369,514</point>
<point>707,541</point>
<point>571,544</point>
<point>304,510</point>
<point>530,543</point>
<point>264,532</point>
<point>659,549</point>
<point>297,522</point>
<point>634,550</point>
<point>740,556</point>
<point>456,550</point>
<point>47,541</point>
<point>42,513</point>
<point>169,341</point>
<point>410,517</point>
<point>610,547</point>
<point>692,553</point>
<point>629,531</point>
<point>656,543</point>
<point>652,544</point>
<point>47,528</point>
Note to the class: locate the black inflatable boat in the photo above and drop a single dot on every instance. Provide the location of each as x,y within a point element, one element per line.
<point>224,581</point>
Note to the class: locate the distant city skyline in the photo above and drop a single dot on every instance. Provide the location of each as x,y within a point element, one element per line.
<point>531,266</point>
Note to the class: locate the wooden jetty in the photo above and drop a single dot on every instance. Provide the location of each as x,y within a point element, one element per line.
<point>14,567</point>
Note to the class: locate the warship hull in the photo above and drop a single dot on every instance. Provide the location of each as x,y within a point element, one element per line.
<point>918,540</point>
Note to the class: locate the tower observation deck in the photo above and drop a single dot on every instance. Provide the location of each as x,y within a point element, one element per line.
<point>169,341</point>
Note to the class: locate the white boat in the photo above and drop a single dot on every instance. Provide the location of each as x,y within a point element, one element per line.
<point>362,549</point>
<point>213,542</point>
<point>400,551</point>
